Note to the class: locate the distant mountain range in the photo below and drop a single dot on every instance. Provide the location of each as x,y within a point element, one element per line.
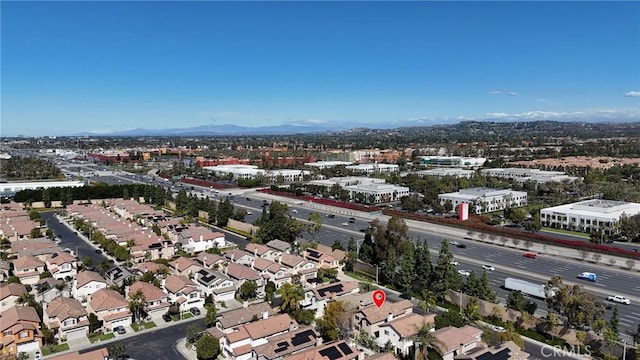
<point>290,129</point>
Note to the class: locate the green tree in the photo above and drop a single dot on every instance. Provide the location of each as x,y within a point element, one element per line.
<point>46,198</point>
<point>248,290</point>
<point>35,233</point>
<point>269,291</point>
<point>337,245</point>
<point>471,312</point>
<point>207,347</point>
<point>614,322</point>
<point>225,212</point>
<point>389,268</point>
<point>210,317</point>
<point>137,305</point>
<point>511,334</point>
<point>45,274</point>
<point>425,340</point>
<point>444,276</point>
<point>315,224</point>
<point>290,295</point>
<point>335,324</point>
<point>449,318</point>
<point>193,333</point>
<point>94,323</point>
<point>486,292</point>
<point>407,267</point>
<point>117,351</point>
<point>423,265</point>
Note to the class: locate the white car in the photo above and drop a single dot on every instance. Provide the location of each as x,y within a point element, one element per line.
<point>619,299</point>
<point>497,328</point>
<point>489,267</point>
<point>464,272</point>
<point>294,211</point>
<point>454,243</point>
<point>345,224</point>
<point>249,213</point>
<point>454,263</point>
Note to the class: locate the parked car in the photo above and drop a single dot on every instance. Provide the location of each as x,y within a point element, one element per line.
<point>37,356</point>
<point>345,224</point>
<point>462,246</point>
<point>249,213</point>
<point>488,267</point>
<point>295,211</point>
<point>330,216</point>
<point>454,263</point>
<point>98,251</point>
<point>619,299</point>
<point>454,243</point>
<point>119,329</point>
<point>352,220</point>
<point>529,255</point>
<point>166,317</point>
<point>464,272</point>
<point>195,311</point>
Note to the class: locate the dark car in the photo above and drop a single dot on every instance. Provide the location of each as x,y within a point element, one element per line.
<point>98,251</point>
<point>462,246</point>
<point>331,216</point>
<point>195,311</point>
<point>166,317</point>
<point>119,329</point>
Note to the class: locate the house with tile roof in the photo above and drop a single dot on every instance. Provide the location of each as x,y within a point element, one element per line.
<point>110,307</point>
<point>324,257</point>
<point>9,293</point>
<point>67,318</point>
<point>199,238</point>
<point>184,266</point>
<point>241,273</point>
<point>401,332</point>
<point>98,354</point>
<point>504,350</point>
<point>20,330</point>
<point>297,265</point>
<point>282,246</point>
<point>5,268</point>
<point>86,283</point>
<point>183,292</point>
<point>238,256</point>
<point>239,344</point>
<point>286,344</point>
<point>338,350</point>
<point>210,261</point>
<point>453,342</point>
<point>262,251</point>
<point>229,320</point>
<point>218,285</point>
<point>369,318</point>
<point>40,248</point>
<point>62,265</point>
<point>316,299</point>
<point>156,299</point>
<point>272,271</point>
<point>28,269</point>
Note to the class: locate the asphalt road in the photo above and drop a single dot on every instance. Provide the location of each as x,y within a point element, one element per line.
<point>156,345</point>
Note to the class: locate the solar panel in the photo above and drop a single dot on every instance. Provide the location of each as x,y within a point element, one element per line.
<point>336,288</point>
<point>503,354</point>
<point>279,350</point>
<point>302,337</point>
<point>331,352</point>
<point>284,343</point>
<point>313,253</point>
<point>345,348</point>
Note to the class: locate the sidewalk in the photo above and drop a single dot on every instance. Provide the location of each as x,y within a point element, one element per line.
<point>188,354</point>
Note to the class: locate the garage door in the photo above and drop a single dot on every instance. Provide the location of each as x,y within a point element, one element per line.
<point>123,322</point>
<point>29,347</point>
<point>76,334</point>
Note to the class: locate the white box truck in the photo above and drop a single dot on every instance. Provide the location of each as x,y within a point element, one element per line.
<point>587,276</point>
<point>527,288</point>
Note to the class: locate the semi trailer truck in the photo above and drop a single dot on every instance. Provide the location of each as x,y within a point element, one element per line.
<point>527,288</point>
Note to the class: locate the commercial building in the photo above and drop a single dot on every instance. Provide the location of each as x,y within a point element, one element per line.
<point>589,215</point>
<point>522,175</point>
<point>442,172</point>
<point>484,200</point>
<point>374,168</point>
<point>451,161</point>
<point>347,181</point>
<point>377,193</point>
<point>327,164</point>
<point>11,188</point>
<point>246,172</point>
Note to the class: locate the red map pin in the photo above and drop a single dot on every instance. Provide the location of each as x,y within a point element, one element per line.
<point>379,297</point>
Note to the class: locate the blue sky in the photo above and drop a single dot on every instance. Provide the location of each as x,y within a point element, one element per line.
<point>108,66</point>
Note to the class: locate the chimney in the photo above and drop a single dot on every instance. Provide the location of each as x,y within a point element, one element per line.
<point>265,314</point>
<point>390,317</point>
<point>245,304</point>
<point>292,326</point>
<point>201,237</point>
<point>255,252</point>
<point>361,305</point>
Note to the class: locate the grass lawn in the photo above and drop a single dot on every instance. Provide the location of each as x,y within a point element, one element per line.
<point>50,349</point>
<point>566,232</point>
<point>186,316</point>
<point>102,337</point>
<point>143,325</point>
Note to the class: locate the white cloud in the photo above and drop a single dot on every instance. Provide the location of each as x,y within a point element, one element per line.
<point>307,121</point>
<point>585,115</point>
<point>632,94</point>
<point>503,92</point>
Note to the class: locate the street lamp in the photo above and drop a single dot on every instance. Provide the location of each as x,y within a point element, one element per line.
<point>624,349</point>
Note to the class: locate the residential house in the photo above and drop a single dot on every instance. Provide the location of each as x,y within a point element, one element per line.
<point>67,318</point>
<point>98,354</point>
<point>184,266</point>
<point>452,341</point>
<point>62,265</point>
<point>183,292</point>
<point>242,273</point>
<point>229,320</point>
<point>316,299</point>
<point>240,343</point>
<point>5,267</point>
<point>282,246</point>
<point>157,301</point>
<point>239,256</point>
<point>110,307</point>
<point>324,256</point>
<point>198,238</point>
<point>299,267</point>
<point>50,288</point>
<point>85,284</point>
<point>272,271</point>
<point>401,332</point>
<point>216,284</point>
<point>9,293</point>
<point>20,330</point>
<point>369,318</point>
<point>28,269</point>
<point>338,350</point>
<point>286,344</point>
<point>262,251</point>
<point>210,261</point>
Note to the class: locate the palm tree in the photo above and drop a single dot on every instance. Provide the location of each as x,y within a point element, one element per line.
<point>137,305</point>
<point>424,340</point>
<point>291,296</point>
<point>26,299</point>
<point>427,301</point>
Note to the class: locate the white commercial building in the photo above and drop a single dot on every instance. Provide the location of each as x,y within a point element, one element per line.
<point>451,161</point>
<point>377,193</point>
<point>522,175</point>
<point>442,172</point>
<point>246,172</point>
<point>327,164</point>
<point>485,200</point>
<point>588,216</point>
<point>347,181</point>
<point>374,168</point>
<point>12,188</point>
